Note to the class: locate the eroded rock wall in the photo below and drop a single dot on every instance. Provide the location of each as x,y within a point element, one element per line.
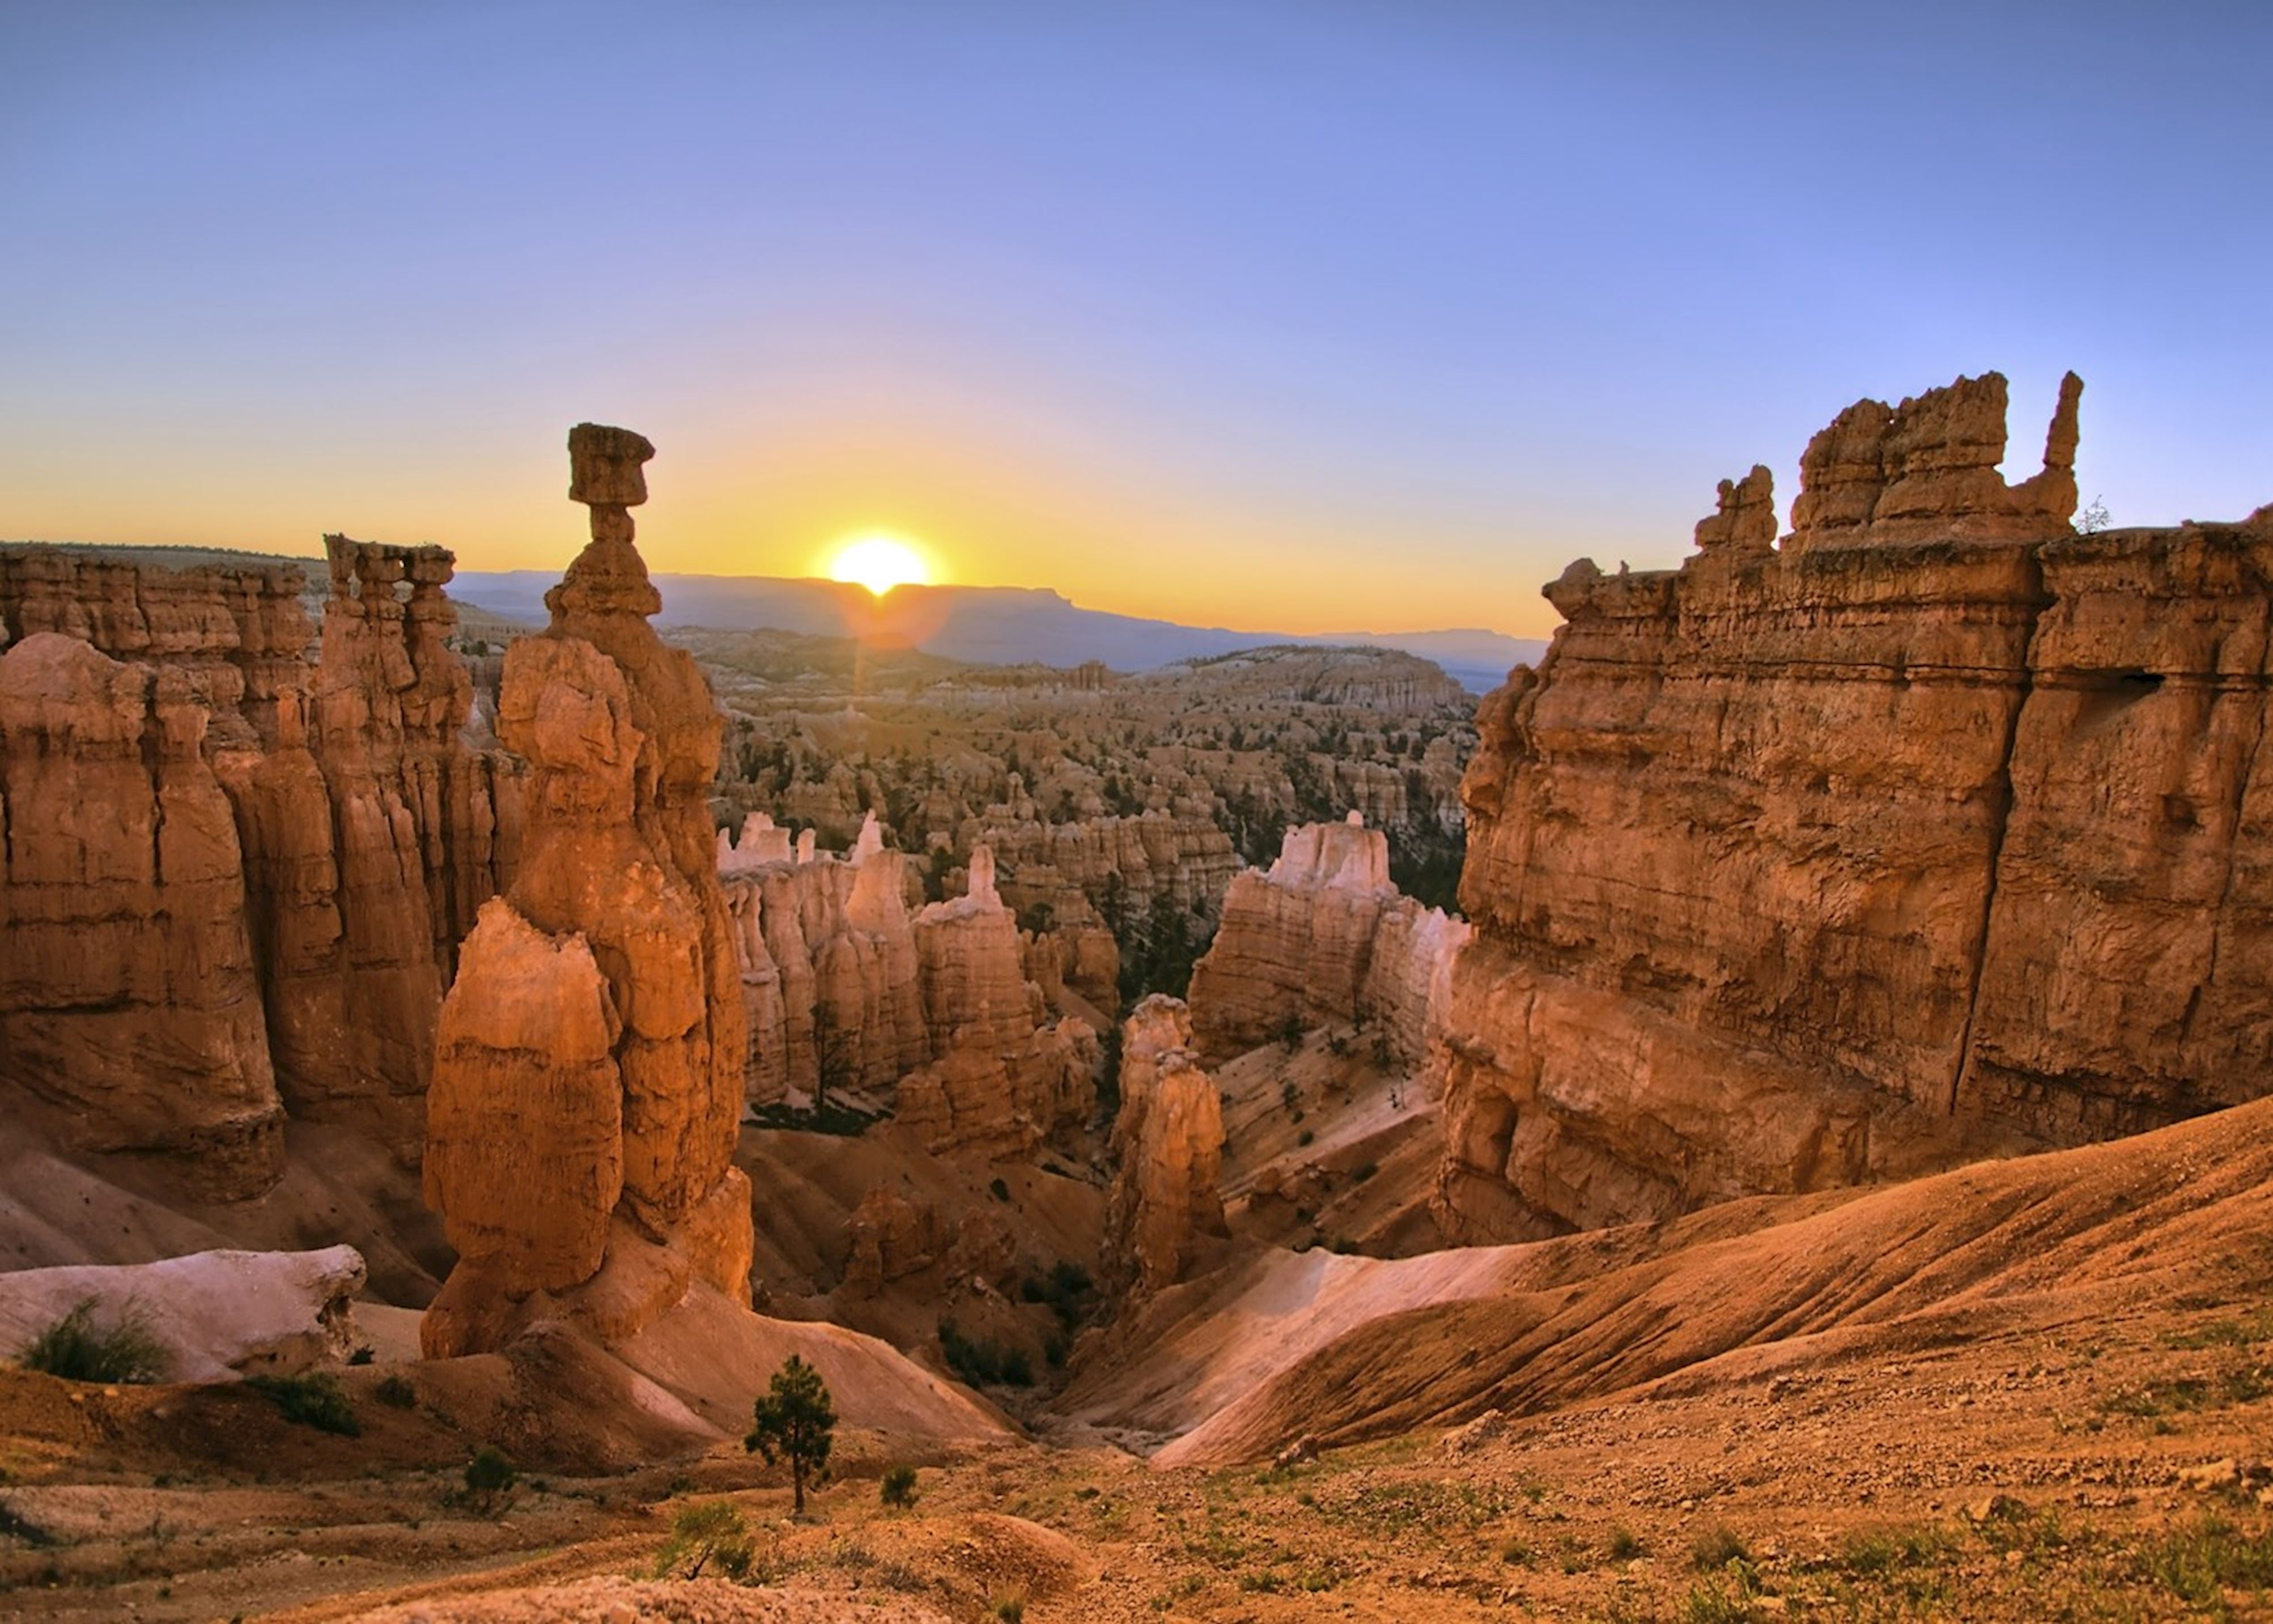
<point>1324,935</point>
<point>1933,834</point>
<point>129,1004</point>
<point>828,962</point>
<point>1006,1077</point>
<point>364,831</point>
<point>1167,1145</point>
<point>846,988</point>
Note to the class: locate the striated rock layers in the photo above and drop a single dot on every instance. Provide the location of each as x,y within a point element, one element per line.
<point>1005,1078</point>
<point>845,988</point>
<point>827,960</point>
<point>1324,935</point>
<point>1938,831</point>
<point>236,874</point>
<point>587,1082</point>
<point>1167,1147</point>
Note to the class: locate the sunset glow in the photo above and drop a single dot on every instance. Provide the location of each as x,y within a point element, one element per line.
<point>879,563</point>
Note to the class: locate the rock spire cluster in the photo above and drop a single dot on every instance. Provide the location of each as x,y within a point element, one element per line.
<point>846,988</point>
<point>237,869</point>
<point>1324,935</point>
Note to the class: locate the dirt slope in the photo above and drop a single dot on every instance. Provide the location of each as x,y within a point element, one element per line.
<point>2038,1241</point>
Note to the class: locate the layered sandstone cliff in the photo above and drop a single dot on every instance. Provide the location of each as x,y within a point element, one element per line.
<point>1167,1144</point>
<point>129,1000</point>
<point>1324,935</point>
<point>1006,1077</point>
<point>828,962</point>
<point>1936,832</point>
<point>845,988</point>
<point>589,1079</point>
<point>319,832</point>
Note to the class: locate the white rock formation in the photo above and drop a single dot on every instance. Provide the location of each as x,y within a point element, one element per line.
<point>219,1315</point>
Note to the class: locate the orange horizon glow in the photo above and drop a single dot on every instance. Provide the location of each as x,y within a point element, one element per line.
<point>1103,533</point>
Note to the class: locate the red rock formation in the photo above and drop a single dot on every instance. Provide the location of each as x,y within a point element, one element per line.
<point>828,963</point>
<point>1168,1143</point>
<point>361,903</point>
<point>890,1237</point>
<point>1926,470</point>
<point>1932,835</point>
<point>1324,935</point>
<point>1006,1079</point>
<point>129,1003</point>
<point>844,989</point>
<point>630,1083</point>
<point>366,831</point>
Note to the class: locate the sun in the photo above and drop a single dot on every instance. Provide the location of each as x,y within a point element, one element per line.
<point>879,563</point>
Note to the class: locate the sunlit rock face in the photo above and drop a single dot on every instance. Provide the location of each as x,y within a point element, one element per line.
<point>315,833</point>
<point>827,953</point>
<point>589,1080</point>
<point>1938,832</point>
<point>1007,1077</point>
<point>1168,1146</point>
<point>846,988</point>
<point>128,1001</point>
<point>1324,935</point>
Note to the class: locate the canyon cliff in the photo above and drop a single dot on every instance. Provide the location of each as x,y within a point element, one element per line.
<point>589,1079</point>
<point>1323,936</point>
<point>1167,1145</point>
<point>238,867</point>
<point>846,988</point>
<point>1935,832</point>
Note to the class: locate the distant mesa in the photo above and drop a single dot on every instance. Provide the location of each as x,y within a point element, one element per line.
<point>994,625</point>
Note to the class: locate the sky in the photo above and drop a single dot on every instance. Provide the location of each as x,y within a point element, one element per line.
<point>1328,316</point>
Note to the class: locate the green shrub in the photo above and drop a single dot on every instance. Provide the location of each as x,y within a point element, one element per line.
<point>1304,1137</point>
<point>74,1350</point>
<point>489,1474</point>
<point>984,1362</point>
<point>316,1400</point>
<point>1624,1544</point>
<point>2200,1562</point>
<point>396,1392</point>
<point>713,1531</point>
<point>1067,1290</point>
<point>364,1355</point>
<point>1010,1609</point>
<point>898,1486</point>
<point>1716,1547</point>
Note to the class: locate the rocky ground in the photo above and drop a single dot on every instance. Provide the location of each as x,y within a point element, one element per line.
<point>2107,1473</point>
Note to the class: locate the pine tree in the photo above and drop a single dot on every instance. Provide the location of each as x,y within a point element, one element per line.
<point>796,1421</point>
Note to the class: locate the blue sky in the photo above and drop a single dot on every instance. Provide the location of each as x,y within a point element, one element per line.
<point>1306,316</point>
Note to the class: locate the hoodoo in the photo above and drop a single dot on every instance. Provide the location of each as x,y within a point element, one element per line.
<point>589,1073</point>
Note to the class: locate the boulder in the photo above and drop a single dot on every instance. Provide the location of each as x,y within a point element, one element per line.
<point>219,1315</point>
